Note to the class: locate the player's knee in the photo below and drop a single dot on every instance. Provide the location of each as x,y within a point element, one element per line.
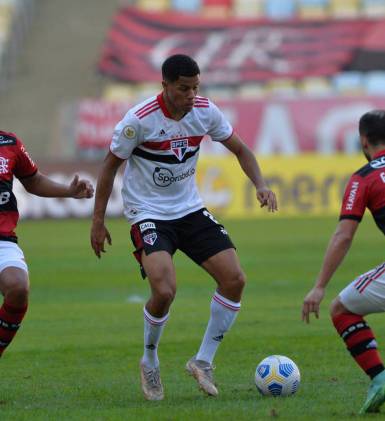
<point>18,291</point>
<point>165,295</point>
<point>238,280</point>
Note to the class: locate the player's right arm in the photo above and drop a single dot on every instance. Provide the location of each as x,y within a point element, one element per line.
<point>99,232</point>
<point>352,211</point>
<point>337,249</point>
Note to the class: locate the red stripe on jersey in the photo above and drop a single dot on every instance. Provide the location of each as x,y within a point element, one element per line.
<point>165,144</point>
<point>155,101</point>
<point>201,106</point>
<point>201,98</point>
<point>148,112</point>
<point>199,101</point>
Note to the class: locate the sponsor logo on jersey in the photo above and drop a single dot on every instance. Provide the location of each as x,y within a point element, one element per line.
<point>352,195</point>
<point>4,165</point>
<point>378,163</point>
<point>150,238</point>
<point>179,148</point>
<point>5,141</point>
<point>146,226</point>
<point>163,177</point>
<point>129,132</point>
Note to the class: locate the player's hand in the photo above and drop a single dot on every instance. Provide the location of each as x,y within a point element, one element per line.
<point>80,189</point>
<point>311,303</point>
<point>267,198</point>
<point>99,234</point>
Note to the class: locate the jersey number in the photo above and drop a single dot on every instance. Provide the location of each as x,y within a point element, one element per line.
<point>4,197</point>
<point>208,214</point>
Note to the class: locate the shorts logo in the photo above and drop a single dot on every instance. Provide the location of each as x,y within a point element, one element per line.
<point>179,148</point>
<point>150,238</point>
<point>129,132</point>
<point>146,226</point>
<point>4,165</point>
<point>163,177</point>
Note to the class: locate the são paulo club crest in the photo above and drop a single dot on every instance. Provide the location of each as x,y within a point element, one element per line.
<point>179,148</point>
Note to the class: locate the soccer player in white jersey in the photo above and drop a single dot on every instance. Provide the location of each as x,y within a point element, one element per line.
<point>159,139</point>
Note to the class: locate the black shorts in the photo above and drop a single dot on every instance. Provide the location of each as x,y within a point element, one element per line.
<point>197,234</point>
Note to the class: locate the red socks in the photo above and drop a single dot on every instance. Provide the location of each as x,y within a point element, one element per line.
<point>10,319</point>
<point>360,342</point>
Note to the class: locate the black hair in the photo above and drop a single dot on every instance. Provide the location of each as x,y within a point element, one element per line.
<point>179,65</point>
<point>372,126</point>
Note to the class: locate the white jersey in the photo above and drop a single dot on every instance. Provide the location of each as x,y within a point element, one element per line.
<point>162,153</point>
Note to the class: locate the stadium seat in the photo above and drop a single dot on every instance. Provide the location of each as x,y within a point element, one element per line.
<point>373,8</point>
<point>283,87</point>
<point>252,91</point>
<point>248,8</point>
<point>374,83</point>
<point>278,9</point>
<point>342,9</point>
<point>348,83</point>
<point>154,6</point>
<point>313,9</point>
<point>315,86</point>
<point>217,8</point>
<point>186,6</point>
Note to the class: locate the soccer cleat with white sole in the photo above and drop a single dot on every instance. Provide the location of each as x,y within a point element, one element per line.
<point>375,398</point>
<point>202,371</point>
<point>151,384</point>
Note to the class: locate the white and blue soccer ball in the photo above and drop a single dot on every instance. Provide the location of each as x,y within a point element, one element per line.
<point>277,375</point>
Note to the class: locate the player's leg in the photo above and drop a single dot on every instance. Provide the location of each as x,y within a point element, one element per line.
<point>224,267</point>
<point>14,286</point>
<point>363,296</point>
<point>208,244</point>
<point>155,244</point>
<point>161,275</point>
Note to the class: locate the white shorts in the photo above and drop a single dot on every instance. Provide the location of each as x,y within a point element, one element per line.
<point>11,255</point>
<point>366,294</point>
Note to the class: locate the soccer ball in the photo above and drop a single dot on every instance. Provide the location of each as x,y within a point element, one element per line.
<point>277,376</point>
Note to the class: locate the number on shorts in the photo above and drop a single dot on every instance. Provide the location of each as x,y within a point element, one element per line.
<point>4,197</point>
<point>208,214</point>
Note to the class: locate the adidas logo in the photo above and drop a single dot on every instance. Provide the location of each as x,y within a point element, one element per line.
<point>162,133</point>
<point>152,347</point>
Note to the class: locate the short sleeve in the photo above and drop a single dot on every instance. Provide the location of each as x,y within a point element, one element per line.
<point>220,129</point>
<point>24,167</point>
<point>355,199</point>
<point>126,137</point>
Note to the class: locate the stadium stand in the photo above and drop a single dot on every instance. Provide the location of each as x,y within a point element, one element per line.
<point>15,19</point>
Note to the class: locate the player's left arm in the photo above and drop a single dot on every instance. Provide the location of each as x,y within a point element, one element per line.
<point>250,167</point>
<point>41,185</point>
<point>337,249</point>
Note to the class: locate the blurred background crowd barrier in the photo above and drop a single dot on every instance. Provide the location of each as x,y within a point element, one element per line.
<point>292,76</point>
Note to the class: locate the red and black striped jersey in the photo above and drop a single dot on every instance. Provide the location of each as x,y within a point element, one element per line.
<point>366,189</point>
<point>14,161</point>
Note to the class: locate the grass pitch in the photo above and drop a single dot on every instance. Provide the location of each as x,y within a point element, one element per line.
<point>76,356</point>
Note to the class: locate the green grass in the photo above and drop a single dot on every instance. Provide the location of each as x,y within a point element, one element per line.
<point>76,356</point>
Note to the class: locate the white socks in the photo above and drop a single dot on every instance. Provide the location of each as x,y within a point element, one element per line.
<point>153,328</point>
<point>223,314</point>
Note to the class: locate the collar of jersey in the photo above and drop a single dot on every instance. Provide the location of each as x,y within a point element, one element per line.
<point>378,154</point>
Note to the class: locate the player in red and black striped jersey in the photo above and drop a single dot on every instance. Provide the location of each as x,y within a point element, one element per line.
<point>366,294</point>
<point>14,282</point>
